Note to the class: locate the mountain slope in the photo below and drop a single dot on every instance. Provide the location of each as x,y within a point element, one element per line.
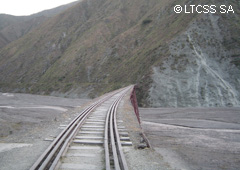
<point>14,27</point>
<point>100,45</point>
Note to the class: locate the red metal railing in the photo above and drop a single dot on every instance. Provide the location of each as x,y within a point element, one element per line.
<point>133,99</point>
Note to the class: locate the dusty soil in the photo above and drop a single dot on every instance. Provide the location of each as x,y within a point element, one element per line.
<point>26,121</point>
<point>187,138</point>
<point>195,138</point>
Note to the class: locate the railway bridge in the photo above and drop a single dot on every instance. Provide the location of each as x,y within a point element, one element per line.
<point>99,137</point>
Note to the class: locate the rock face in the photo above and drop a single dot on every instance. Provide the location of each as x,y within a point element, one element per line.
<point>199,70</point>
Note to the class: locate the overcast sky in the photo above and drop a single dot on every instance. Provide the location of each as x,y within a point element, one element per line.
<point>27,7</point>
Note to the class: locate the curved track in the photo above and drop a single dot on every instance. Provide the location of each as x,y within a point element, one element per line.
<point>94,129</point>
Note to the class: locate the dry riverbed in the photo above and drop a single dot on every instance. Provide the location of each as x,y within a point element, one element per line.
<point>195,138</point>
<point>27,122</point>
<point>183,138</point>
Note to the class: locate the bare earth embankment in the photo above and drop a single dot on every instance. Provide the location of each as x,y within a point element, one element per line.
<point>195,138</point>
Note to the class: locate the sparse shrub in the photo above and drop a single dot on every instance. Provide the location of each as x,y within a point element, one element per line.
<point>116,86</point>
<point>67,87</point>
<point>146,21</point>
<point>183,46</point>
<point>61,78</point>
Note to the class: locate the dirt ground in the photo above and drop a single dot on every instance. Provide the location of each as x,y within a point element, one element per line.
<point>27,122</point>
<point>183,138</point>
<point>195,138</point>
<point>20,112</point>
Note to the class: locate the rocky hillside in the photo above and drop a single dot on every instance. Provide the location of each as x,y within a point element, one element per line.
<point>14,27</point>
<point>202,68</point>
<point>100,45</point>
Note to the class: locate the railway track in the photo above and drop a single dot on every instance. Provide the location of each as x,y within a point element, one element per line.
<point>93,140</point>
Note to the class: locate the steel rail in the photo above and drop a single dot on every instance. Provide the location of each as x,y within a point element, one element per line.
<point>122,159</point>
<point>112,142</point>
<point>51,156</point>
